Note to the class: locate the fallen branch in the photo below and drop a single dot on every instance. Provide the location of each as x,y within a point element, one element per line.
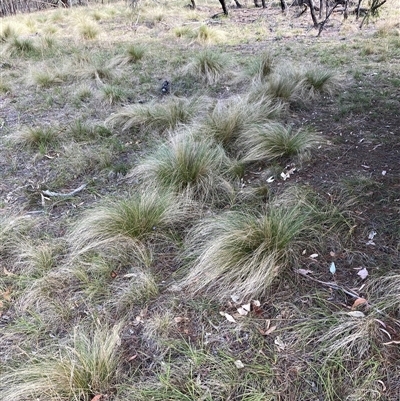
<point>60,194</point>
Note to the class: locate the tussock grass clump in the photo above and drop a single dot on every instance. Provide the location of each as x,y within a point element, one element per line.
<point>207,35</point>
<point>11,231</point>
<point>186,163</point>
<point>242,252</point>
<point>132,55</point>
<point>262,67</point>
<point>113,94</point>
<point>17,46</point>
<point>155,116</point>
<point>132,221</point>
<point>5,87</point>
<point>319,80</point>
<point>88,30</point>
<point>138,289</point>
<point>209,66</point>
<point>385,291</point>
<point>97,73</point>
<point>276,141</point>
<point>85,366</point>
<point>355,336</point>
<point>237,116</point>
<point>287,86</point>
<point>44,77</point>
<point>7,32</point>
<point>37,257</point>
<point>38,138</point>
<point>80,131</point>
<point>183,31</point>
<point>83,93</point>
<point>83,159</point>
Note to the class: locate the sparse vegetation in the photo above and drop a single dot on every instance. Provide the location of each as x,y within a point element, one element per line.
<point>196,208</point>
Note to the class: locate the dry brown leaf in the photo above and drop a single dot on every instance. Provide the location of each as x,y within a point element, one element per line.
<point>8,273</point>
<point>358,302</point>
<point>267,332</point>
<point>7,294</point>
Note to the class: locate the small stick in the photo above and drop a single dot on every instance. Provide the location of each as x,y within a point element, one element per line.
<point>68,194</point>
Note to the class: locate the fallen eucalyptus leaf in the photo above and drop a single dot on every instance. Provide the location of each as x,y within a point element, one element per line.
<point>356,313</point>
<point>242,311</point>
<point>332,268</point>
<point>363,273</point>
<point>228,317</point>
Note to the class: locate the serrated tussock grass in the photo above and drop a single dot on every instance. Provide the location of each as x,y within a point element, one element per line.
<point>155,116</point>
<point>238,116</point>
<point>384,292</point>
<point>84,366</point>
<point>88,30</point>
<point>132,55</point>
<point>274,141</point>
<point>209,66</point>
<point>133,221</point>
<point>187,164</point>
<point>12,231</point>
<point>319,80</point>
<point>208,35</point>
<point>113,94</point>
<point>7,32</point>
<point>285,85</point>
<point>45,77</point>
<point>139,288</point>
<point>261,68</point>
<point>242,252</point>
<point>18,46</point>
<point>35,137</point>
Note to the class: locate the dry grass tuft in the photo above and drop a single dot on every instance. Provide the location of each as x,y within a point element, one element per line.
<point>155,116</point>
<point>275,141</point>
<point>84,366</point>
<point>238,116</point>
<point>187,164</point>
<point>133,221</point>
<point>209,66</point>
<point>242,252</point>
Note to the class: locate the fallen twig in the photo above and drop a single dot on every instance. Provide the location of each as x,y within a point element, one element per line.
<point>334,286</point>
<point>66,195</point>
